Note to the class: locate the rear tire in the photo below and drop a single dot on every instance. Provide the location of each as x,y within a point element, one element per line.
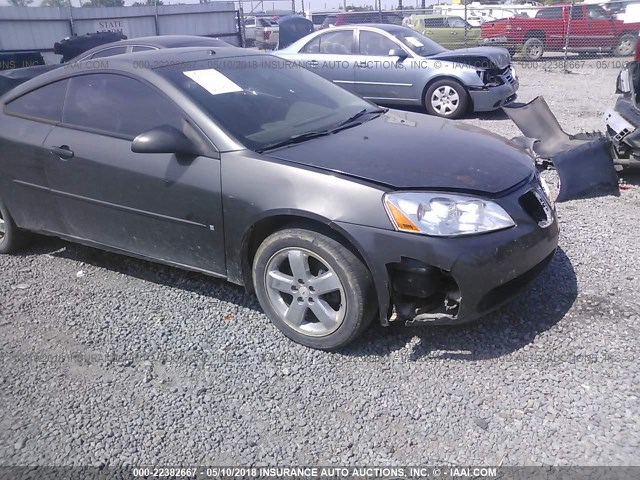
<point>313,289</point>
<point>11,238</point>
<point>626,45</point>
<point>446,99</point>
<point>533,49</point>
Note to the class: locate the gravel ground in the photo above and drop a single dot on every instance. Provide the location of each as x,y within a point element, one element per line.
<point>109,360</point>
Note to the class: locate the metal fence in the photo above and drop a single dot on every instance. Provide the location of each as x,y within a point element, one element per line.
<point>530,31</point>
<point>37,29</point>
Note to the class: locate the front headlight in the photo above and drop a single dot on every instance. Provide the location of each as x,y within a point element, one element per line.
<point>444,214</point>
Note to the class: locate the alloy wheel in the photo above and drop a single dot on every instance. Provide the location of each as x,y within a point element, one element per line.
<point>305,291</point>
<point>3,228</point>
<point>534,52</point>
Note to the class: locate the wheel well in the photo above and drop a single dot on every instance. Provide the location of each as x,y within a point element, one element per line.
<point>627,32</point>
<point>535,34</point>
<point>445,77</point>
<point>265,227</point>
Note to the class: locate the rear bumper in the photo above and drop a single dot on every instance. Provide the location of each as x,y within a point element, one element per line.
<point>476,274</point>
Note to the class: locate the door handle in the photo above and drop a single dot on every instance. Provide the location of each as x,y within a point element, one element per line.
<point>429,32</point>
<point>313,63</point>
<point>62,151</point>
<point>454,33</point>
<point>361,64</point>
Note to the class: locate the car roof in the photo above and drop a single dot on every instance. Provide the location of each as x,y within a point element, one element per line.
<point>387,27</point>
<point>159,41</point>
<point>169,56</point>
<point>169,41</point>
<point>436,16</point>
<point>142,64</point>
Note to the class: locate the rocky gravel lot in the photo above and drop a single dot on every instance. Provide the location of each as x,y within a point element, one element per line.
<point>115,361</point>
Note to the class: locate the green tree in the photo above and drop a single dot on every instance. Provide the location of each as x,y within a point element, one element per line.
<point>55,3</point>
<point>148,3</point>
<point>104,3</point>
<point>20,3</point>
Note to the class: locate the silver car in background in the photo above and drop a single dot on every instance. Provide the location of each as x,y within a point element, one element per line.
<point>395,65</point>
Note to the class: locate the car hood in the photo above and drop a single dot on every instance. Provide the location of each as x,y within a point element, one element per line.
<point>480,57</point>
<point>406,150</point>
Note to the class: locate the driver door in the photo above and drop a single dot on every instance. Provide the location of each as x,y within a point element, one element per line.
<point>161,206</point>
<point>380,77</point>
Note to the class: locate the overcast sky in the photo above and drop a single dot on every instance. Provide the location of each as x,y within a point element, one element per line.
<point>316,5</point>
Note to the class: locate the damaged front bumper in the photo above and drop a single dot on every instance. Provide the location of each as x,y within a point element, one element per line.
<point>444,281</point>
<point>583,161</point>
<point>489,98</point>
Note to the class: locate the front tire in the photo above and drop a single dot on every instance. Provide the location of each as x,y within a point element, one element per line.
<point>315,290</point>
<point>626,45</point>
<point>11,238</point>
<point>446,99</point>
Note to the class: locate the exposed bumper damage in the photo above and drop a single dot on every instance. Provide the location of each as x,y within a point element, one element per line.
<point>447,281</point>
<point>583,161</point>
<point>622,128</point>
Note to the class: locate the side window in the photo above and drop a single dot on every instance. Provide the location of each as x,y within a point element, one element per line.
<point>250,22</point>
<point>372,43</point>
<point>312,47</point>
<point>336,43</point>
<point>117,105</point>
<point>44,103</point>
<point>554,12</point>
<point>109,52</point>
<point>140,48</point>
<point>434,22</point>
<point>596,12</point>
<point>576,12</point>
<point>455,22</point>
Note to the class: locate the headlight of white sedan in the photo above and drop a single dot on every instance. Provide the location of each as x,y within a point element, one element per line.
<point>444,214</point>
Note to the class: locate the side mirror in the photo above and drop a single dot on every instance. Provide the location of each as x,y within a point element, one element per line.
<point>164,139</point>
<point>623,83</point>
<point>398,52</point>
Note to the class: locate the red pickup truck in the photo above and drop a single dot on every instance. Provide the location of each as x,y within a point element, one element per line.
<point>590,29</point>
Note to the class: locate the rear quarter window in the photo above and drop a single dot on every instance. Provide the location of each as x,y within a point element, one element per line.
<point>44,103</point>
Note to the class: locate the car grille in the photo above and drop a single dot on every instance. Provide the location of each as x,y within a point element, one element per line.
<point>508,76</point>
<point>534,203</point>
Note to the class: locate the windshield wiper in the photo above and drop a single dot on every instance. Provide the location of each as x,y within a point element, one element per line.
<point>308,136</point>
<point>295,139</point>
<point>361,113</point>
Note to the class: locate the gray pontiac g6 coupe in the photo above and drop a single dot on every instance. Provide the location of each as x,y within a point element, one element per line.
<point>332,210</point>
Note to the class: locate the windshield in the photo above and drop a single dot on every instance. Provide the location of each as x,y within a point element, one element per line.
<point>265,100</point>
<point>417,42</point>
